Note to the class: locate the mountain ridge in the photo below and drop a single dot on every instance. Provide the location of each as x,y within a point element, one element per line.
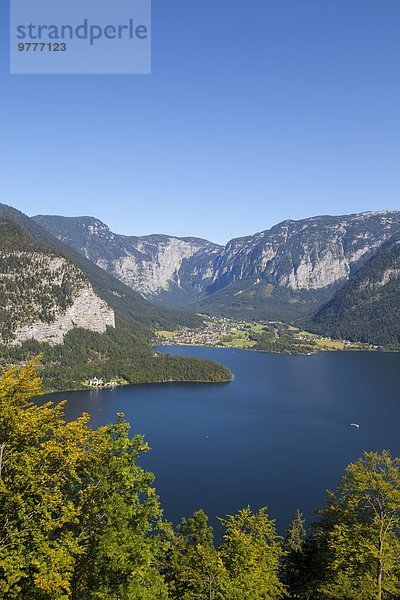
<point>147,264</point>
<point>127,303</point>
<point>303,260</point>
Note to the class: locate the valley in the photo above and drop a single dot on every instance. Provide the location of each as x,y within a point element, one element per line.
<point>200,300</point>
<point>90,301</point>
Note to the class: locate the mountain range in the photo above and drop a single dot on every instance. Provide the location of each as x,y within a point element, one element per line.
<point>56,302</point>
<point>286,272</point>
<point>90,300</point>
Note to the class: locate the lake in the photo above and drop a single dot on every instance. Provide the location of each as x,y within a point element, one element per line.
<point>277,436</point>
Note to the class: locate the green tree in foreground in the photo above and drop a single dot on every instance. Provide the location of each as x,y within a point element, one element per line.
<point>120,524</point>
<point>77,514</point>
<point>293,561</point>
<point>194,568</point>
<point>244,567</point>
<point>80,520</point>
<point>361,526</point>
<point>251,552</point>
<point>42,459</point>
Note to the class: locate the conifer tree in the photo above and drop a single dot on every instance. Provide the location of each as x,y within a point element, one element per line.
<point>194,568</point>
<point>293,561</point>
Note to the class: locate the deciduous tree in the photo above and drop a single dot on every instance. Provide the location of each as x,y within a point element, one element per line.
<point>251,552</point>
<point>362,522</point>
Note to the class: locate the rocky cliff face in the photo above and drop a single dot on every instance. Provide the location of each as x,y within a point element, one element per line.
<point>43,295</point>
<point>149,264</point>
<point>136,312</point>
<point>307,255</point>
<point>161,263</point>
<point>87,311</point>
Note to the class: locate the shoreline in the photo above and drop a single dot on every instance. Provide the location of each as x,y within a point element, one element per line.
<point>249,349</point>
<point>260,336</point>
<point>109,389</point>
<point>158,344</point>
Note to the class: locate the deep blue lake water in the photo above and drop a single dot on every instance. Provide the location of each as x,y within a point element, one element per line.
<point>278,435</point>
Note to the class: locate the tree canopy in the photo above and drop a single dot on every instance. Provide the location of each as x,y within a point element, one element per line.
<point>81,520</point>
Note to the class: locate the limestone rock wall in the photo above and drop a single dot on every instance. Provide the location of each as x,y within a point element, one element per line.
<point>310,254</point>
<point>88,311</point>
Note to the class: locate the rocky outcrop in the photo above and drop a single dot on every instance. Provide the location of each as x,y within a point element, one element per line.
<point>43,294</point>
<point>87,311</point>
<point>150,264</point>
<point>161,263</point>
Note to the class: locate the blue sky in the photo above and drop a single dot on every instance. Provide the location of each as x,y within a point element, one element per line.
<point>255,112</point>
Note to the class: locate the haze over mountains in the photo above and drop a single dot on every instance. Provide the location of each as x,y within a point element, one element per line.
<point>285,272</point>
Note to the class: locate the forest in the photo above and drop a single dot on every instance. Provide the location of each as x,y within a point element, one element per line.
<point>80,519</point>
<point>116,354</point>
<point>366,309</point>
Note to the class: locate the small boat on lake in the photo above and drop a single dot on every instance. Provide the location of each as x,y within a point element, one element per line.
<point>356,425</point>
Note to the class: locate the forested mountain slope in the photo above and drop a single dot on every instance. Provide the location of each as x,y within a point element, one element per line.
<point>83,321</point>
<point>367,308</point>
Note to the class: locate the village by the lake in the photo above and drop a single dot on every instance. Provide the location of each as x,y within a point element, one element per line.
<point>221,332</point>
